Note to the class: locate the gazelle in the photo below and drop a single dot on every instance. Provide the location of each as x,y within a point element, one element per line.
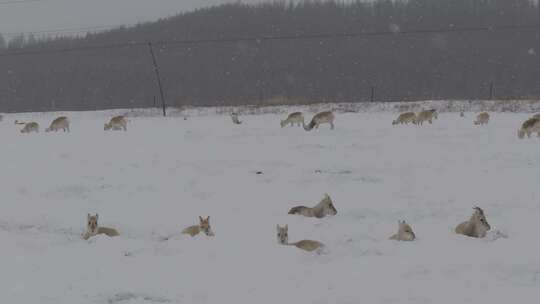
<point>321,118</point>
<point>293,118</point>
<point>477,226</point>
<point>323,208</point>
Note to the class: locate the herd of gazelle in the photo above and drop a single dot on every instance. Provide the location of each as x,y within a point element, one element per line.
<point>62,123</point>
<point>477,226</point>
<point>530,126</point>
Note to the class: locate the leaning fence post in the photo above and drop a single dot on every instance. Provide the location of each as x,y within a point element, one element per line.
<point>156,69</point>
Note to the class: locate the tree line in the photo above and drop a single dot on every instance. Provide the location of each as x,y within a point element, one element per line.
<point>432,65</point>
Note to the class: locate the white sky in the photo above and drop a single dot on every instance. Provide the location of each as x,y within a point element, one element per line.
<point>68,14</point>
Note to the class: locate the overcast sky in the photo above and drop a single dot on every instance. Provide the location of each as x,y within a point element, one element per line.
<point>68,14</point>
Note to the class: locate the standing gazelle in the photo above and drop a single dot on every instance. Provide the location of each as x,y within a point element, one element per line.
<point>293,118</point>
<point>482,118</point>
<point>320,118</point>
<point>116,123</point>
<point>405,118</point>
<point>30,127</point>
<point>530,126</point>
<point>477,226</point>
<point>60,123</point>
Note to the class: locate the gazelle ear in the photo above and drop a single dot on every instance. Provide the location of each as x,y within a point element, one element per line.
<point>208,218</point>
<point>97,216</point>
<point>200,218</point>
<point>88,216</point>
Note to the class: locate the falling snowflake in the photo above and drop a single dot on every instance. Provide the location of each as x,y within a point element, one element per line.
<point>531,51</point>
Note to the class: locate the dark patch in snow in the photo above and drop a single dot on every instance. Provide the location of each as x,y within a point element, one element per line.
<point>124,298</point>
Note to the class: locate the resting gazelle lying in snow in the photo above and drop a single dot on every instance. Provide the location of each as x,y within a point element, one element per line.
<point>321,118</point>
<point>204,226</point>
<point>482,118</point>
<point>530,126</point>
<point>93,229</point>
<point>116,123</point>
<point>30,127</point>
<point>307,245</point>
<point>405,232</point>
<point>405,118</point>
<point>60,123</point>
<point>477,226</point>
<point>323,208</point>
<point>294,118</point>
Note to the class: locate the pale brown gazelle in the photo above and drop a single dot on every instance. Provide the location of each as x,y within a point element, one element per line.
<point>116,123</point>
<point>426,115</point>
<point>477,226</point>
<point>405,118</point>
<point>60,123</point>
<point>530,126</point>
<point>93,229</point>
<point>204,226</point>
<point>293,118</point>
<point>321,118</point>
<point>482,118</point>
<point>405,232</point>
<point>307,245</point>
<point>323,208</point>
<point>30,127</point>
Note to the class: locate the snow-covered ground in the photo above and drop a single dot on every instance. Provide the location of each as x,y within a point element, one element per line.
<point>158,177</point>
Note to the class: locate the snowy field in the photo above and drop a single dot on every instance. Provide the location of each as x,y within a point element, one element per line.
<point>158,177</point>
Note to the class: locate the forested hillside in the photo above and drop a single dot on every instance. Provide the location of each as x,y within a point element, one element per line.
<point>425,49</point>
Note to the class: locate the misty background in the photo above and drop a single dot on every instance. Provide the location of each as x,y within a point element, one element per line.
<point>436,64</point>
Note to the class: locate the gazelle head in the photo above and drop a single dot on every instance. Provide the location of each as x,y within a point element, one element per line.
<point>107,126</point>
<point>283,123</point>
<point>328,205</point>
<point>204,224</point>
<point>405,231</point>
<point>479,219</point>
<point>92,223</point>
<point>283,234</point>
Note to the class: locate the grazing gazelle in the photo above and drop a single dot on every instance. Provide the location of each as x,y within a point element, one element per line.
<point>30,127</point>
<point>323,208</point>
<point>116,123</point>
<point>426,115</point>
<point>60,123</point>
<point>92,228</point>
<point>530,126</point>
<point>405,232</point>
<point>307,245</point>
<point>482,118</point>
<point>204,226</point>
<point>294,118</point>
<point>477,226</point>
<point>321,118</point>
<point>405,118</point>
<point>235,120</point>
